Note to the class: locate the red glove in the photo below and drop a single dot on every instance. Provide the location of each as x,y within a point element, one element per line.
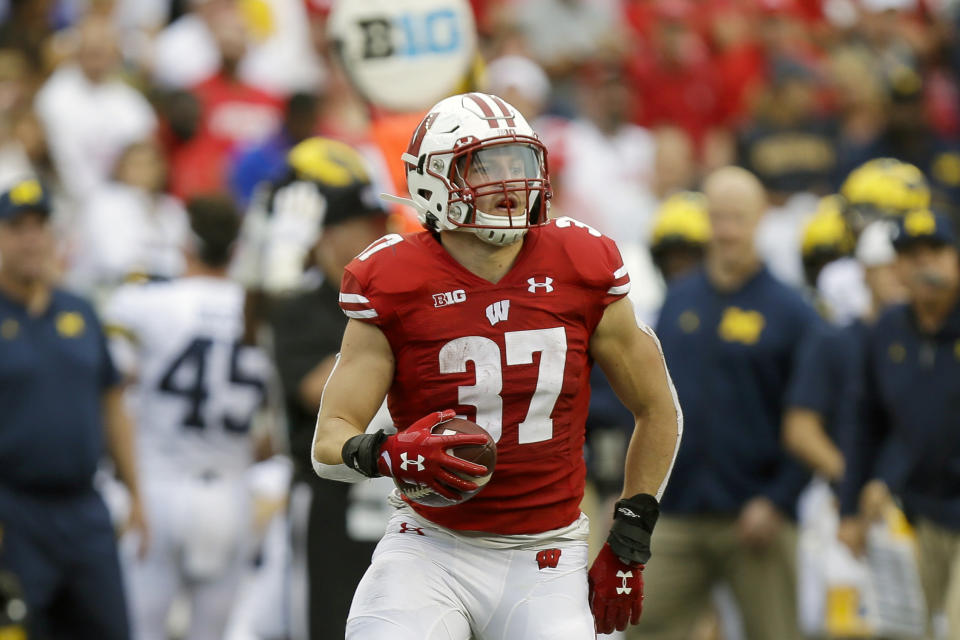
<point>616,592</point>
<point>420,456</point>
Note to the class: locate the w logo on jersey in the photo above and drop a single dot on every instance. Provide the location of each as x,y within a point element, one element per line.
<point>406,462</point>
<point>546,285</point>
<point>498,312</point>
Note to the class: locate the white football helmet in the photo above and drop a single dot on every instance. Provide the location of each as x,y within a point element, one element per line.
<point>474,148</point>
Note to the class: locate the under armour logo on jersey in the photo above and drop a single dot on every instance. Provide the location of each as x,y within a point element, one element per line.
<point>548,558</point>
<point>498,312</point>
<point>624,589</point>
<point>405,528</point>
<point>546,285</point>
<point>406,462</point>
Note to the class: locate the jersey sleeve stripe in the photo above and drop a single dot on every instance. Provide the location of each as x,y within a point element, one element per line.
<point>619,290</point>
<point>369,313</point>
<point>619,273</point>
<point>352,298</point>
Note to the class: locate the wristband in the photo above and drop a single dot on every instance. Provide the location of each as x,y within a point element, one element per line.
<point>360,453</point>
<point>633,522</point>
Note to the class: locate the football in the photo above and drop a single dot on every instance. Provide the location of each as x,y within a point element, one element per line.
<point>484,454</point>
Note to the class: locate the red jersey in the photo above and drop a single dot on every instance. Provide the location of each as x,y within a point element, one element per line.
<point>511,356</point>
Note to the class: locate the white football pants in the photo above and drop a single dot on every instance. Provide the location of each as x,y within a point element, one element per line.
<point>200,543</point>
<point>426,584</point>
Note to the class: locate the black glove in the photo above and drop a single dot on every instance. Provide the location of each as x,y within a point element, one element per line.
<point>633,522</point>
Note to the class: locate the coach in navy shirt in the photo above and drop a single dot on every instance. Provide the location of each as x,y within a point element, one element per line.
<point>730,333</point>
<point>60,407</point>
<point>907,440</point>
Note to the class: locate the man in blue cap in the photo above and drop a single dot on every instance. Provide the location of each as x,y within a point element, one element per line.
<point>907,441</point>
<point>61,405</point>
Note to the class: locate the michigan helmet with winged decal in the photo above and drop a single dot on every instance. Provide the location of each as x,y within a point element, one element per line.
<point>474,163</point>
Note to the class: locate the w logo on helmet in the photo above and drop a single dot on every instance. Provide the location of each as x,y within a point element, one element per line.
<point>406,462</point>
<point>413,149</point>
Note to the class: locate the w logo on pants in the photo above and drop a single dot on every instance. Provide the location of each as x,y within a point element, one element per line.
<point>548,558</point>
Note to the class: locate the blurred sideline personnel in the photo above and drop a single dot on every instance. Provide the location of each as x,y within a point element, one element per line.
<point>285,221</point>
<point>495,311</point>
<point>907,441</point>
<point>826,237</point>
<point>307,330</point>
<point>731,333</point>
<point>13,610</point>
<point>195,391</point>
<point>882,188</point>
<point>61,402</point>
<point>828,377</point>
<point>679,235</point>
<point>821,397</point>
<point>681,230</point>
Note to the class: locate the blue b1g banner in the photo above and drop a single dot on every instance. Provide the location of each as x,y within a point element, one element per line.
<point>404,55</point>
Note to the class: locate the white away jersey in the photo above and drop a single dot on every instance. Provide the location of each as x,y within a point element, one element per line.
<point>197,386</point>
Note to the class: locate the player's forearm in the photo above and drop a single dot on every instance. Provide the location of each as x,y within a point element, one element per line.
<point>330,436</point>
<point>120,440</point>
<point>652,449</point>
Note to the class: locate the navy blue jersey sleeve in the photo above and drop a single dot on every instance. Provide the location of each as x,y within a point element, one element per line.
<point>109,374</point>
<point>861,438</point>
<point>813,386</point>
<point>792,476</point>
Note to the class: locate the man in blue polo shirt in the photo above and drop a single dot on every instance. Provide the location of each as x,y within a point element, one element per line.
<point>60,406</point>
<point>730,334</point>
<point>907,439</point>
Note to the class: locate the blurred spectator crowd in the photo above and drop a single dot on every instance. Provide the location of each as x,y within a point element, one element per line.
<point>129,109</point>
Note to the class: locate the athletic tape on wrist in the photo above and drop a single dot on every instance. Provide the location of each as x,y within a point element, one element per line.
<point>360,453</point>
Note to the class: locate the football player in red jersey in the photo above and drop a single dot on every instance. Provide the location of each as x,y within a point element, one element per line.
<point>495,313</point>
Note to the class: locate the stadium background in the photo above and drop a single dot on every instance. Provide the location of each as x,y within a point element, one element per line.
<point>635,99</point>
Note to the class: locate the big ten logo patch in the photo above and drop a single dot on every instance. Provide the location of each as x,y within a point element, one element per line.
<point>449,297</point>
<point>548,558</point>
<point>738,325</point>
